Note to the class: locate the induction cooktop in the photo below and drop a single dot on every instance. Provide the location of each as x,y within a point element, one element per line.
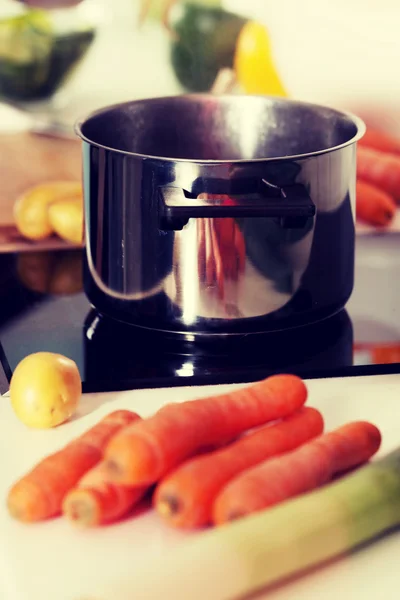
<point>43,307</point>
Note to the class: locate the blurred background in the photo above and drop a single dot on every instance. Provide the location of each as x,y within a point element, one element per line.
<point>57,63</point>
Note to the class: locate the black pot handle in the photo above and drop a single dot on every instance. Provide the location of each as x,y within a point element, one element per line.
<point>291,204</point>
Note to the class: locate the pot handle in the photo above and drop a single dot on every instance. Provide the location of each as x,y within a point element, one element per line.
<point>291,204</point>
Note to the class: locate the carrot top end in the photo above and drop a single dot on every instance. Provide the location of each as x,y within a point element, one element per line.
<point>168,506</point>
<point>81,511</point>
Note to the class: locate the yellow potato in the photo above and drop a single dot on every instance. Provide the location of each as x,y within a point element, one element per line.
<point>66,219</point>
<point>45,389</point>
<point>31,209</point>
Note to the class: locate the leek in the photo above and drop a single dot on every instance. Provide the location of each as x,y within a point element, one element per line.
<point>237,559</point>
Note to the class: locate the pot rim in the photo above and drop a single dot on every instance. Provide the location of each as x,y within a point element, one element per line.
<point>357,121</point>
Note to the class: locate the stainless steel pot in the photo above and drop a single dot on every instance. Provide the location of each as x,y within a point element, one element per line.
<point>219,215</point>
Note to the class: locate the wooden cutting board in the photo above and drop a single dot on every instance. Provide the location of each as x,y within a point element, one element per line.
<point>26,160</point>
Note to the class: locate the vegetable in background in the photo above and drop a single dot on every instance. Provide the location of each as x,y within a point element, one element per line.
<point>379,169</point>
<point>40,493</point>
<point>185,497</point>
<point>378,140</point>
<point>254,64</point>
<point>302,470</point>
<point>31,209</point>
<point>66,219</point>
<point>203,42</point>
<point>36,59</point>
<point>147,450</point>
<point>373,206</point>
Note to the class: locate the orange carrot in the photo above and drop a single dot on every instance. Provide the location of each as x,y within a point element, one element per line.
<point>147,450</point>
<point>185,497</point>
<point>380,141</point>
<point>297,472</point>
<point>374,206</point>
<point>379,169</point>
<point>39,494</point>
<point>95,501</point>
<point>100,434</point>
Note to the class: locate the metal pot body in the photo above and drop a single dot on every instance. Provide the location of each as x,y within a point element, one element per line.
<point>219,215</point>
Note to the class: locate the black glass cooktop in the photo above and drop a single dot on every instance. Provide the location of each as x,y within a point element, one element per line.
<point>43,307</point>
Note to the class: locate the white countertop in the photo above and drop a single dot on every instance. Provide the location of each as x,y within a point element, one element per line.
<point>53,560</point>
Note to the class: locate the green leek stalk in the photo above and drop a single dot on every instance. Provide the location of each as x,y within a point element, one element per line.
<point>231,561</point>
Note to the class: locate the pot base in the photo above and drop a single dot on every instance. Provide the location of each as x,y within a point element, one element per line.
<point>299,312</point>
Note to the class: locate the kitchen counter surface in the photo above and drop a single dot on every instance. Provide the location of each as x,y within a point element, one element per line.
<point>54,560</point>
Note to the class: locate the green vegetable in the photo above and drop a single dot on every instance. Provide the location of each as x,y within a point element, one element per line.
<point>204,42</point>
<point>234,560</point>
<point>34,59</point>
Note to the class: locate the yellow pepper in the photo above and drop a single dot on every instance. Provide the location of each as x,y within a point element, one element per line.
<point>253,62</point>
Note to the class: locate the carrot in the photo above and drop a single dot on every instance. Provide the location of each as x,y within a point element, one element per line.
<point>185,497</point>
<point>379,169</point>
<point>39,494</point>
<point>380,141</point>
<point>100,434</point>
<point>147,450</point>
<point>95,501</point>
<point>297,472</point>
<point>374,206</point>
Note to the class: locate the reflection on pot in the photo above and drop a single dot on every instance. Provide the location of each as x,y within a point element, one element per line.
<point>54,273</point>
<point>237,268</point>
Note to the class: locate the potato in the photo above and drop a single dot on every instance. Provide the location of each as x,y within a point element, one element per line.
<point>66,219</point>
<point>31,209</point>
<point>45,389</point>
